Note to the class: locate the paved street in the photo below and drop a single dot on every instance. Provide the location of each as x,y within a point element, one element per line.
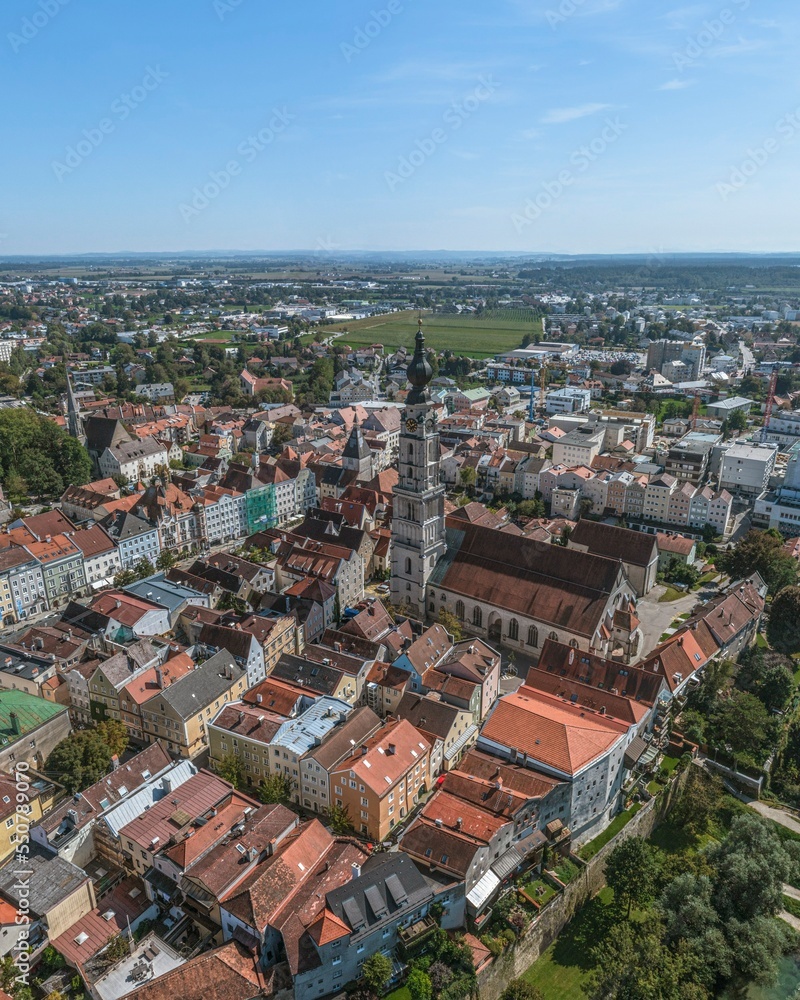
<point>656,618</point>
<point>776,814</point>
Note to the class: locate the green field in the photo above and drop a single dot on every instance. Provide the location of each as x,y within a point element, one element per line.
<point>503,330</point>
<point>214,335</point>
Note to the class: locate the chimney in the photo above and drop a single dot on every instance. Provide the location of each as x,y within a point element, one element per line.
<point>355,870</point>
<point>159,677</point>
<point>438,822</point>
<point>391,749</point>
<point>15,726</point>
<point>459,823</point>
<point>363,749</point>
<point>259,699</point>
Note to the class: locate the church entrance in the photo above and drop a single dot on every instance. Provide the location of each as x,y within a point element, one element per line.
<point>495,627</point>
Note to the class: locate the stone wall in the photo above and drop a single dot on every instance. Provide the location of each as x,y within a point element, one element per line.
<point>563,907</point>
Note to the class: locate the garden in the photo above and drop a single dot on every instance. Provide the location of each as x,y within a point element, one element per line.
<point>699,900</point>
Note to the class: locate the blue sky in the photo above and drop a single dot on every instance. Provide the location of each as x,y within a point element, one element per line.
<point>524,125</point>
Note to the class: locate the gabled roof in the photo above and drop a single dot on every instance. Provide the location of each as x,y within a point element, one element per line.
<point>561,586</point>
<point>230,972</point>
<point>634,547</point>
<point>559,736</point>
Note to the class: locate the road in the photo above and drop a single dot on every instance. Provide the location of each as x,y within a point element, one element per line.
<point>777,815</point>
<point>656,617</point>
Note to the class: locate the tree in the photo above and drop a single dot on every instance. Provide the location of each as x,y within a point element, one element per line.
<point>622,972</point>
<point>631,871</point>
<point>276,788</point>
<point>144,568</point>
<point>467,476</point>
<point>752,865</point>
<point>124,578</point>
<point>736,421</point>
<point>339,819</point>
<point>166,560</point>
<point>230,769</point>
<point>783,630</point>
<point>440,975</point>
<point>79,761</point>
<point>760,552</point>
<point>376,971</point>
<point>450,624</point>
<point>419,985</point>
<point>699,802</point>
<point>742,723</point>
<point>115,736</point>
<point>767,675</point>
<point>521,989</point>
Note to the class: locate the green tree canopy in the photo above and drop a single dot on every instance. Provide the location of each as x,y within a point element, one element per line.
<point>79,761</point>
<point>230,769</point>
<point>783,629</point>
<point>276,788</point>
<point>760,552</point>
<point>37,457</point>
<point>521,989</point>
<point>632,870</point>
<point>376,971</point>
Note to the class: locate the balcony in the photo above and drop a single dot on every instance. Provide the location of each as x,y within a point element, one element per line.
<point>414,936</point>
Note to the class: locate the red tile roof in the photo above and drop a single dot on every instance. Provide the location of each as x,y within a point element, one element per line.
<point>556,735</point>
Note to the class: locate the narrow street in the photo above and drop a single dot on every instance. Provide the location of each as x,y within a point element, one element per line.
<point>777,815</point>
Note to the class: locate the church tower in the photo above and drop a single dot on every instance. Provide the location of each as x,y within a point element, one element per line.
<point>74,418</point>
<point>356,455</point>
<point>418,529</point>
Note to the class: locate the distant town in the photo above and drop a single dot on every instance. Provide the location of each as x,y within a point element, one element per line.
<point>358,615</point>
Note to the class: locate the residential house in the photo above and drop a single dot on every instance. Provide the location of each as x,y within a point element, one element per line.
<point>381,782</point>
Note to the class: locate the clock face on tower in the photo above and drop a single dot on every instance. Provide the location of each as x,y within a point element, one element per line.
<point>411,425</point>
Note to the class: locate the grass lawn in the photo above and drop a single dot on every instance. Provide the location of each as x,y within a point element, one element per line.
<point>589,850</point>
<point>671,594</point>
<point>215,335</point>
<point>706,578</point>
<point>567,964</point>
<point>540,891</point>
<point>669,764</point>
<point>791,905</point>
<point>401,993</point>
<point>478,338</point>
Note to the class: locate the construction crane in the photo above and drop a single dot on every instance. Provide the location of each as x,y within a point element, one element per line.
<point>773,385</point>
<point>695,409</point>
<point>542,387</point>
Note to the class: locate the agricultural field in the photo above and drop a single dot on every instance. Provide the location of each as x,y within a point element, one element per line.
<point>502,330</point>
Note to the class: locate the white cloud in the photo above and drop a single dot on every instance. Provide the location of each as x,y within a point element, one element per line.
<point>675,85</point>
<point>742,47</point>
<point>557,116</point>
